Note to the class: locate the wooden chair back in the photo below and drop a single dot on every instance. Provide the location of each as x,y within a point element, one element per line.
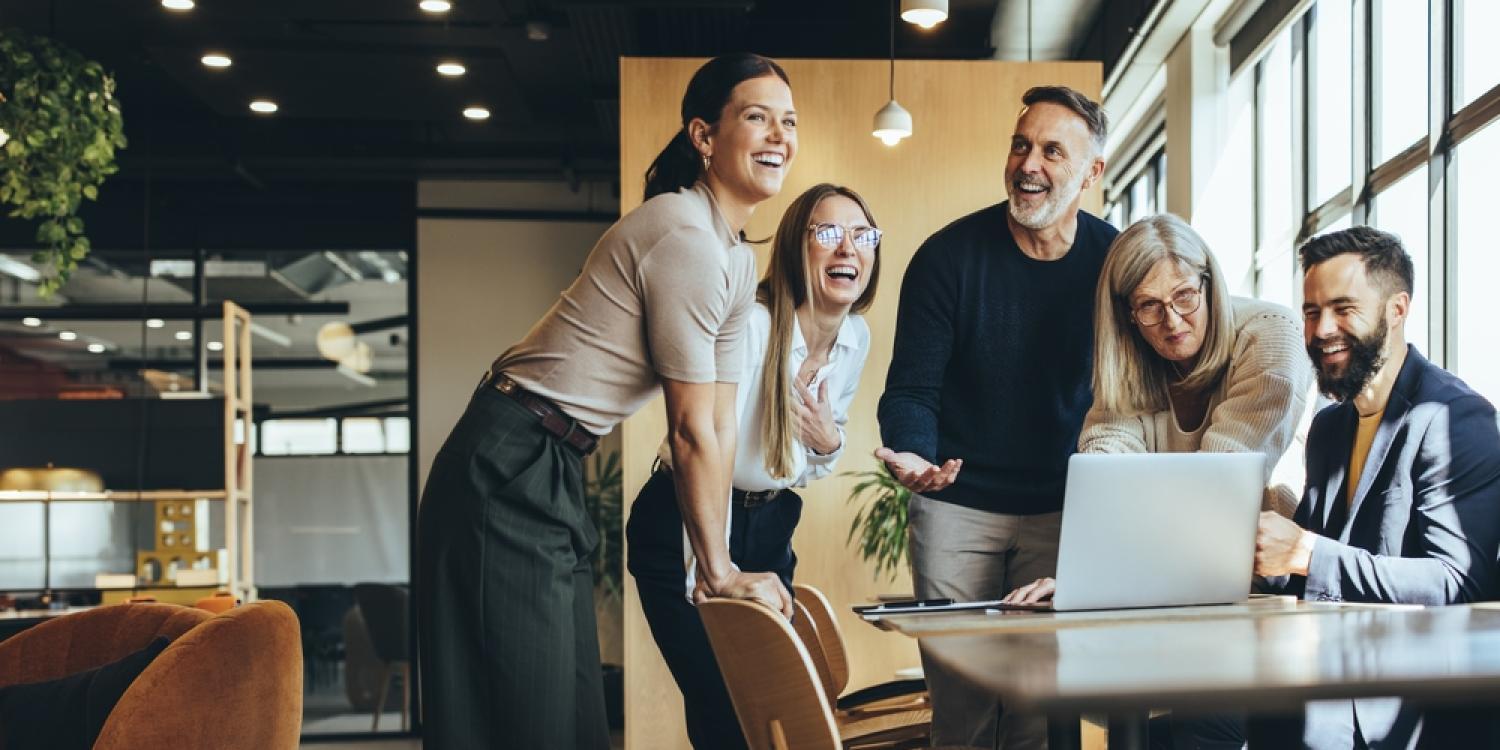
<point>829,635</point>
<point>771,678</point>
<point>807,630</point>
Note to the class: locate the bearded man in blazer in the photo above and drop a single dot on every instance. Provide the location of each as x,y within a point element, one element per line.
<point>1402,503</point>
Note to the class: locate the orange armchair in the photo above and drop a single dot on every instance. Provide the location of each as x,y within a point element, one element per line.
<point>228,682</point>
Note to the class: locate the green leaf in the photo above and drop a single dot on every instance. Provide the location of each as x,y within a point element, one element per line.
<point>65,126</point>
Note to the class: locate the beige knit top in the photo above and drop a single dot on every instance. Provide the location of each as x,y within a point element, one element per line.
<point>1257,406</point>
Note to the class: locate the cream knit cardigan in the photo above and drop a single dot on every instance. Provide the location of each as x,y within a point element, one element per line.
<point>1259,405</point>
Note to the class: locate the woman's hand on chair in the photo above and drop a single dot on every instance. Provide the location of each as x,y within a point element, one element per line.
<point>764,588</point>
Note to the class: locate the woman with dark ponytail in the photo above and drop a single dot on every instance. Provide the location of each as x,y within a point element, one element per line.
<point>805,348</point>
<point>510,655</point>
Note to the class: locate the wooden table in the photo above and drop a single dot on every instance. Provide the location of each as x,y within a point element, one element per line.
<point>1265,656</point>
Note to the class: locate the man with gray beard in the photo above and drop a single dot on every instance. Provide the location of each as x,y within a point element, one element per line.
<point>989,383</point>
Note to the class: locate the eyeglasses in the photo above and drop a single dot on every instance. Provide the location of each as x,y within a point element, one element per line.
<point>831,235</point>
<point>1184,303</point>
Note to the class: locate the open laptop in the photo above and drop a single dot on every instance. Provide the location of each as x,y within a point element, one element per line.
<point>1148,530</point>
<point>1158,529</point>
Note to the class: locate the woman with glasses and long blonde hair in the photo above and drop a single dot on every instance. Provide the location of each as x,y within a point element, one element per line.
<point>805,347</point>
<point>1180,366</point>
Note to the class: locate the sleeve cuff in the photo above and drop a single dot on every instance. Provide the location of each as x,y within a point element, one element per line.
<point>817,459</point>
<point>1323,572</point>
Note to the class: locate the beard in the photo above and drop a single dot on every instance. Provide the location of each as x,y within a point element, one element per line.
<point>1059,198</point>
<point>1366,357</point>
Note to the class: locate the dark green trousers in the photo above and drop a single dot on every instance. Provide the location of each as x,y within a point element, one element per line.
<point>509,651</point>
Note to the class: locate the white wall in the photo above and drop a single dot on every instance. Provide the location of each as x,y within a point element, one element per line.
<point>481,284</point>
<point>331,520</point>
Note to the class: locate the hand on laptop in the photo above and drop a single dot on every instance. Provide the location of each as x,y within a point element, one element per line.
<point>1039,590</point>
<point>916,473</point>
<point>1281,546</point>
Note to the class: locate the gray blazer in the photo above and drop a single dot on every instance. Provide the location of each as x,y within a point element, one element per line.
<point>1424,527</point>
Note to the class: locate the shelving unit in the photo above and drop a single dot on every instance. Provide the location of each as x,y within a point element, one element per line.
<point>239,509</point>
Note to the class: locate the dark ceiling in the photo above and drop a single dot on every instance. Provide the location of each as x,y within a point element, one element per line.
<point>360,100</point>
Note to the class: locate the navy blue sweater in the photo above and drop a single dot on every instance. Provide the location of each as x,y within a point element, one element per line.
<point>993,359</point>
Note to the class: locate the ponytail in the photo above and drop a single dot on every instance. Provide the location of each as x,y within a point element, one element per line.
<point>676,167</point>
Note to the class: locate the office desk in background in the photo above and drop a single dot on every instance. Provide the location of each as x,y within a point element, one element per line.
<point>1267,656</point>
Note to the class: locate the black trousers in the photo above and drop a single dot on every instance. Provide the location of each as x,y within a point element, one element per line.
<point>760,541</point>
<point>509,649</point>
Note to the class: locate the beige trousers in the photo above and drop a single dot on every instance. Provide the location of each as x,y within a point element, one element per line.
<point>965,554</point>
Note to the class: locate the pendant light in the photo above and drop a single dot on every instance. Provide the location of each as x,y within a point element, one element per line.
<point>924,13</point>
<point>892,122</point>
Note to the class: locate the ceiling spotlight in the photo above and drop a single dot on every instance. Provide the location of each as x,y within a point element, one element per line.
<point>538,31</point>
<point>217,60</point>
<point>177,4</point>
<point>924,13</point>
<point>67,335</point>
<point>263,106</point>
<point>476,113</point>
<point>183,335</point>
<point>155,323</point>
<point>216,346</point>
<point>450,68</point>
<point>435,6</point>
<point>31,322</point>
<point>96,348</point>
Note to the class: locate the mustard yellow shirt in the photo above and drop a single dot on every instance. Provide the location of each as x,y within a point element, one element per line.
<point>1363,436</point>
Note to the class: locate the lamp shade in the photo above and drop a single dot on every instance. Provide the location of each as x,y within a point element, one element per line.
<point>892,123</point>
<point>924,13</point>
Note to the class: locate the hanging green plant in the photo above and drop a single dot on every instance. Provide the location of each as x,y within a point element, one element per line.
<point>880,525</point>
<point>59,128</point>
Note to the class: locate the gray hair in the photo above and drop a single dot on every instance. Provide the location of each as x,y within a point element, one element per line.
<point>1089,110</point>
<point>1130,378</point>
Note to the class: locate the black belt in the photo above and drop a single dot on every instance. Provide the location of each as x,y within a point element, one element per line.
<point>747,499</point>
<point>754,499</point>
<point>553,419</point>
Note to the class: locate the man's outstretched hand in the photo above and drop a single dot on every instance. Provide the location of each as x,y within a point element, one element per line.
<point>916,473</point>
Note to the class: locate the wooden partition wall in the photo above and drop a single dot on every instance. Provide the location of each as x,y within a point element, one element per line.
<point>964,114</point>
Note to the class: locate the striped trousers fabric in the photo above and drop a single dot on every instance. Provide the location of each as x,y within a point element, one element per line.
<point>509,651</point>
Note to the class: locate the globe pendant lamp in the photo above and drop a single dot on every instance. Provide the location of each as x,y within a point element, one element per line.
<point>892,122</point>
<point>924,13</point>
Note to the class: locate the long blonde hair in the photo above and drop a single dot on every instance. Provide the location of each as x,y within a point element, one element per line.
<point>1130,378</point>
<point>785,288</point>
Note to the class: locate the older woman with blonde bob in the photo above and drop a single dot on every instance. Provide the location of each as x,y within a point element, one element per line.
<point>1180,366</point>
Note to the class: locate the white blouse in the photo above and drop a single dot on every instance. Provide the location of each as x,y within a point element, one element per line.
<point>845,363</point>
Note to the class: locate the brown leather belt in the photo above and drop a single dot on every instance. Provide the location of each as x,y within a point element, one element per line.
<point>741,497</point>
<point>553,419</point>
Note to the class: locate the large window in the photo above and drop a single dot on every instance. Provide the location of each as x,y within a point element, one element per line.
<point>1477,61</point>
<point>1402,211</point>
<point>1331,100</point>
<point>1144,194</point>
<point>1400,74</point>
<point>1477,358</point>
<point>1327,158</point>
<point>1275,145</point>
